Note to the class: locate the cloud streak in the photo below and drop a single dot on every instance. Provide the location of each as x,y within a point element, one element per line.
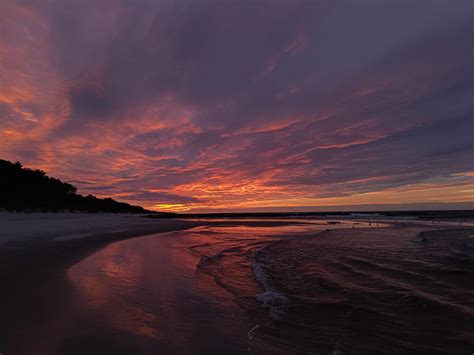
<point>184,105</point>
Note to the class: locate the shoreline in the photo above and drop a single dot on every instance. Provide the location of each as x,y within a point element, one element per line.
<point>21,254</point>
<point>22,258</point>
<point>34,279</point>
<point>34,272</point>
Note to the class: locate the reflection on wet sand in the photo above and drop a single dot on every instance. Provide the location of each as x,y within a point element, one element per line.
<point>179,291</point>
<point>287,286</point>
<point>144,293</point>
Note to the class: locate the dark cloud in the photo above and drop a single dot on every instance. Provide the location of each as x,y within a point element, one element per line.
<point>236,101</point>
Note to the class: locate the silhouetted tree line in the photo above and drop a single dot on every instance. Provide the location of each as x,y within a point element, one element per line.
<point>23,189</point>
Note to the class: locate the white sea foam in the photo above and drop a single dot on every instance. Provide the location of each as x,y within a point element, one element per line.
<point>250,332</point>
<point>418,239</point>
<point>271,298</point>
<point>275,302</point>
<point>260,274</point>
<point>250,336</point>
<point>365,215</point>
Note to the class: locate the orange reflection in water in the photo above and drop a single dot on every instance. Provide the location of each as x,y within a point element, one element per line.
<point>154,292</point>
<point>147,289</point>
<point>135,269</point>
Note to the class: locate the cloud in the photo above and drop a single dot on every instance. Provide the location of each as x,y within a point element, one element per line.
<point>235,104</point>
<point>161,197</point>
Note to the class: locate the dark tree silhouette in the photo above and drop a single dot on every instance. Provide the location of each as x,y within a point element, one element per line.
<point>23,189</point>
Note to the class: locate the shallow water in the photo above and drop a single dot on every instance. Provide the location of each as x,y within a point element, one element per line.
<point>185,292</point>
<point>258,286</point>
<point>389,292</point>
<point>145,296</point>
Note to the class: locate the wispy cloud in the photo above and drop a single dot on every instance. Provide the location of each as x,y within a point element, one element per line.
<point>204,105</point>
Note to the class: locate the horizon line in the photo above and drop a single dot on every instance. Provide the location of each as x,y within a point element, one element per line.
<point>403,207</point>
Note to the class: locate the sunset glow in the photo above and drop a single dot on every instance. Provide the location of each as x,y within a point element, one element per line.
<point>184,106</point>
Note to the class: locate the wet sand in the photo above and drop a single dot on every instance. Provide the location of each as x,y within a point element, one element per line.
<point>36,289</point>
<point>357,291</point>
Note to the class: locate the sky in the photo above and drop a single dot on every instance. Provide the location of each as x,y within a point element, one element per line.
<point>243,105</point>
